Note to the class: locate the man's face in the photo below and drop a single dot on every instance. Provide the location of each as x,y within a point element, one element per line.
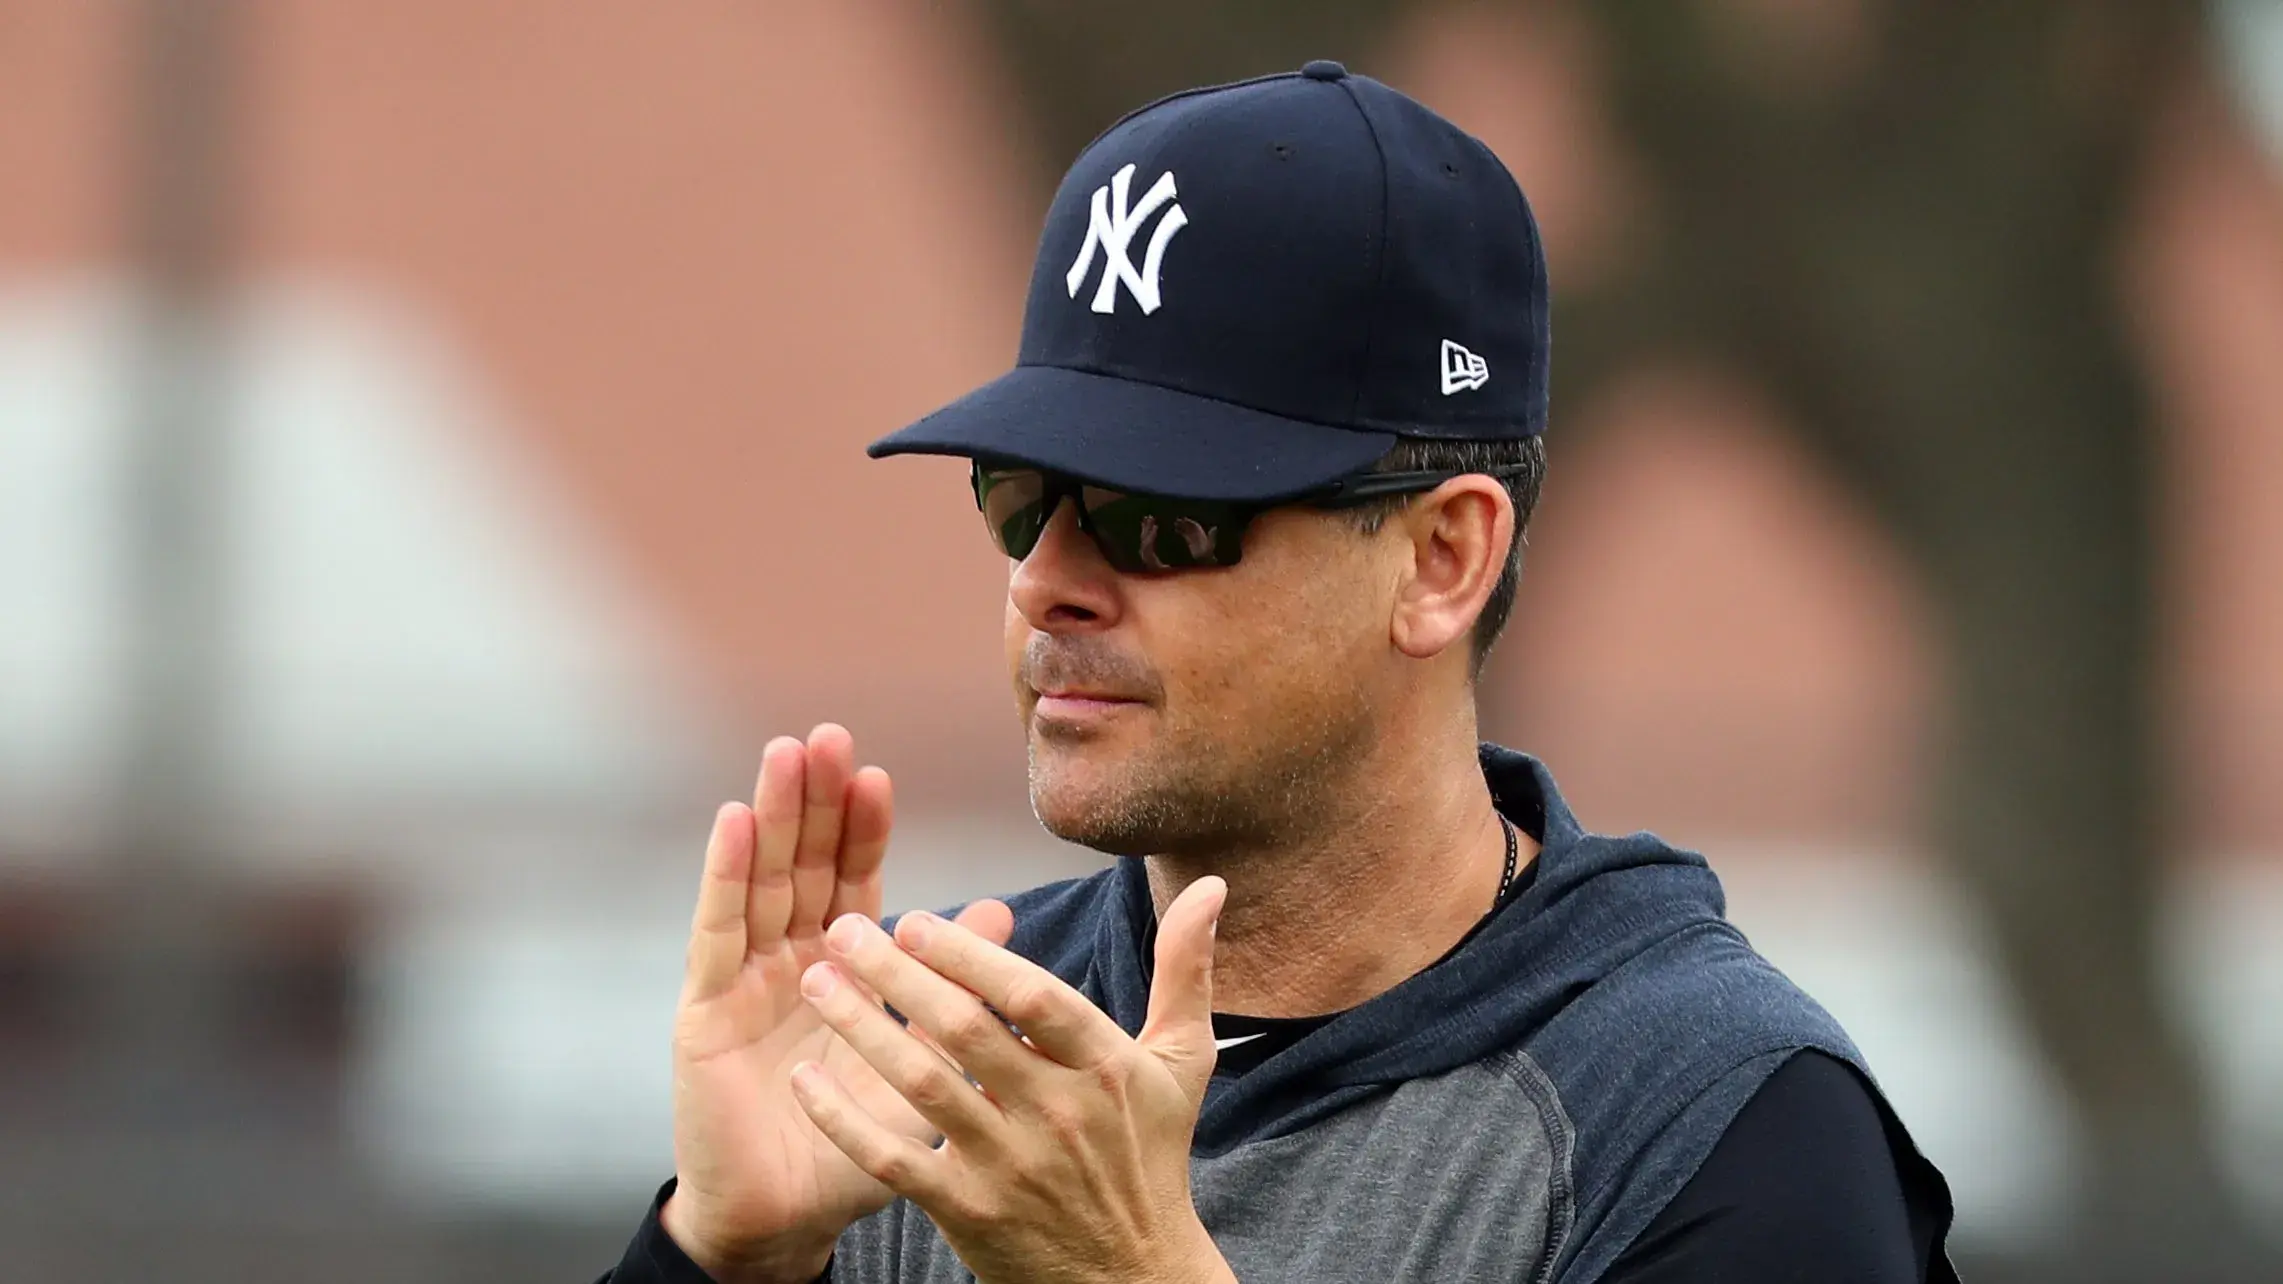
<point>1197,710</point>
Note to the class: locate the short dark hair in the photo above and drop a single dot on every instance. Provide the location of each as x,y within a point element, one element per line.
<point>1427,454</point>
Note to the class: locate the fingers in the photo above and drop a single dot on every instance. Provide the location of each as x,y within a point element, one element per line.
<point>903,1165</point>
<point>777,807</point>
<point>863,845</point>
<point>992,921</point>
<point>717,929</point>
<point>1179,1028</point>
<point>1058,1020</point>
<point>931,1084</point>
<point>824,809</point>
<point>969,1033</point>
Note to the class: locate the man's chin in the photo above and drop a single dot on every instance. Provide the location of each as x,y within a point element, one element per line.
<point>1086,830</point>
<point>1084,802</point>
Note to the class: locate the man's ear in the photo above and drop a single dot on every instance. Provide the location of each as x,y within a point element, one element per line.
<point>1459,533</point>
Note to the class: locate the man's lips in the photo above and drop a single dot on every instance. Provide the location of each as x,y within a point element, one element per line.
<point>1068,703</point>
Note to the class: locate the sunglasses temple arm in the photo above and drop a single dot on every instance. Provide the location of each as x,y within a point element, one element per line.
<point>1365,487</point>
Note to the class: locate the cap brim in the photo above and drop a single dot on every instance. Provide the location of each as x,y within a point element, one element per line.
<point>1136,436</point>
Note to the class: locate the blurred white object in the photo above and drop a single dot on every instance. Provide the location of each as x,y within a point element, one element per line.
<point>2227,952</point>
<point>2250,35</point>
<point>1888,948</point>
<point>414,622</point>
<point>513,1036</point>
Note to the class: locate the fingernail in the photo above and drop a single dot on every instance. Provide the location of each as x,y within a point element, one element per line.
<point>920,930</point>
<point>845,932</point>
<point>818,981</point>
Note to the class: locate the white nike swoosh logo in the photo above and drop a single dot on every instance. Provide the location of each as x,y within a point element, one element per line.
<point>1223,1044</point>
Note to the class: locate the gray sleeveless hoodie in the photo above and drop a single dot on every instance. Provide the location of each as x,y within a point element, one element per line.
<point>1518,1112</point>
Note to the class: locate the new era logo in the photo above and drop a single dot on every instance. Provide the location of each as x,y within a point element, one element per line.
<point>1110,228</point>
<point>1462,370</point>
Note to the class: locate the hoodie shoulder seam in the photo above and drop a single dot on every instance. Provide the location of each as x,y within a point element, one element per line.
<point>1561,1193</point>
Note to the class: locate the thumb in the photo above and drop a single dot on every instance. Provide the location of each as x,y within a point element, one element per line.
<point>989,919</point>
<point>1179,1029</point>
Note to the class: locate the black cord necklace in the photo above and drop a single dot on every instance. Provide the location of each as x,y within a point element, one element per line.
<point>1506,880</point>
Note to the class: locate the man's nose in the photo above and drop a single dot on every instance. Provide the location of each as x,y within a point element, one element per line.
<point>1065,585</point>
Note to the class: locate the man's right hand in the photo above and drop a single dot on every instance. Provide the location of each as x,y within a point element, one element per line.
<point>760,1194</point>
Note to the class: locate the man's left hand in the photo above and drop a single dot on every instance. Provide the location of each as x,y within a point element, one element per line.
<point>1071,1162</point>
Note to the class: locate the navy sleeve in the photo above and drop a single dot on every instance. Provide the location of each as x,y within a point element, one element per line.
<point>1805,1187</point>
<point>654,1257</point>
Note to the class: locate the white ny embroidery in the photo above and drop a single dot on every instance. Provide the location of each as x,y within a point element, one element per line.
<point>1111,226</point>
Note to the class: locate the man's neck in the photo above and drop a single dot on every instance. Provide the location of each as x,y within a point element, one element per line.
<point>1379,887</point>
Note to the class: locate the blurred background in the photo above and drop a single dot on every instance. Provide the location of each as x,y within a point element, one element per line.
<point>430,468</point>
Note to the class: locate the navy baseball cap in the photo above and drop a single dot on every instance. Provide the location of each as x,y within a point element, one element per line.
<point>1246,291</point>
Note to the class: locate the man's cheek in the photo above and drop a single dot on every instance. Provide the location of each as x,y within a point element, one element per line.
<point>1014,637</point>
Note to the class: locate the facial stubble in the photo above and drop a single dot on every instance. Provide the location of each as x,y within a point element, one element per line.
<point>1199,791</point>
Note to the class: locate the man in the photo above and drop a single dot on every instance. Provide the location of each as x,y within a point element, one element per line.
<point>1361,1001</point>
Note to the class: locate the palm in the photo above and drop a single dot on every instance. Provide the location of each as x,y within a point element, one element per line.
<point>734,1059</point>
<point>752,1169</point>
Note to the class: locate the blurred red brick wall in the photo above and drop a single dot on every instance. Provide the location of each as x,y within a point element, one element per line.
<point>702,253</point>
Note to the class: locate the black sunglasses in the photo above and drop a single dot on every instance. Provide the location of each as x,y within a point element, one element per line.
<point>1138,532</point>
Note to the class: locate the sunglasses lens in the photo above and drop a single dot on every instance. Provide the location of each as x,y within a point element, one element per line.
<point>1135,532</point>
<point>1013,504</point>
<point>1154,533</point>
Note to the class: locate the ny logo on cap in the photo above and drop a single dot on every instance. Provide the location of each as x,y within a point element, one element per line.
<point>1111,226</point>
<point>1462,370</point>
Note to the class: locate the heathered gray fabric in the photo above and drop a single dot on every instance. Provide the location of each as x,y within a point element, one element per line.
<point>1460,1177</point>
